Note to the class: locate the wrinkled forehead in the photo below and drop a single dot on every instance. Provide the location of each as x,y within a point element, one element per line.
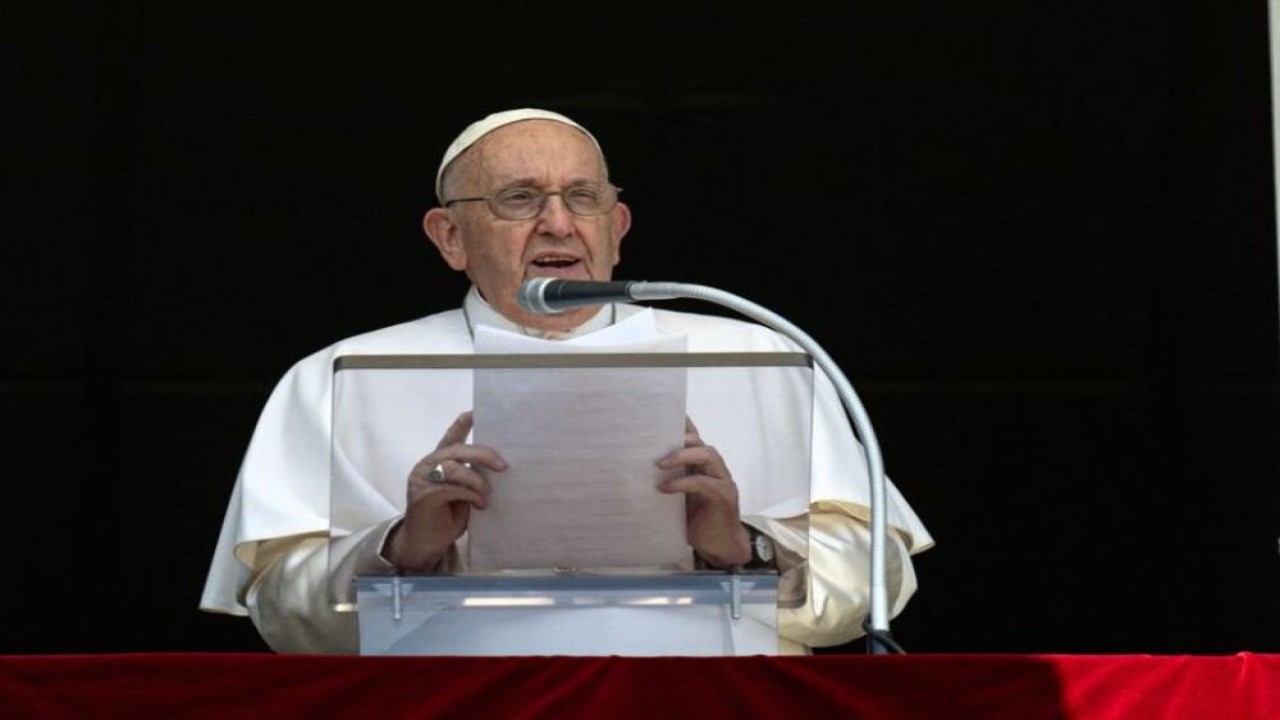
<point>532,153</point>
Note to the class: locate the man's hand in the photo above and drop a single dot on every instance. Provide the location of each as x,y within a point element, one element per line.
<point>437,509</point>
<point>711,502</point>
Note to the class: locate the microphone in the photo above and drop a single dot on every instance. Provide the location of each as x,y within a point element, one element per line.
<point>548,296</point>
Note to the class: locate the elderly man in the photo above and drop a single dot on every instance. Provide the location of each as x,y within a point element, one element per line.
<point>525,194</point>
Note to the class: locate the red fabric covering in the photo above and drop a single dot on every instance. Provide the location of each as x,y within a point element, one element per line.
<point>1024,687</point>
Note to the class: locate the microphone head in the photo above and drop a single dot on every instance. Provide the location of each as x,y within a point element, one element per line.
<point>531,296</point>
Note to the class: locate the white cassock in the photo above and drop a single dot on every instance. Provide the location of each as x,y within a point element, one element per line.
<point>277,563</point>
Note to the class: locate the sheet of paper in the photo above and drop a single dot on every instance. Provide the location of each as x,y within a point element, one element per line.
<point>580,491</point>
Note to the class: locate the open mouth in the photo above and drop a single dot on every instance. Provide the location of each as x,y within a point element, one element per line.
<point>555,264</point>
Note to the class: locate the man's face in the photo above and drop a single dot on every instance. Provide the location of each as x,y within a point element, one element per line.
<point>497,254</point>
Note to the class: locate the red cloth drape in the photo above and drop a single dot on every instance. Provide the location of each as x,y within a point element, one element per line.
<point>1025,687</point>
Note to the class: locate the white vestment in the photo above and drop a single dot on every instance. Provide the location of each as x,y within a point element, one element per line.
<point>273,558</point>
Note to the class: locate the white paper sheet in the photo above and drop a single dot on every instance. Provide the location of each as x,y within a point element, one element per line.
<point>580,490</point>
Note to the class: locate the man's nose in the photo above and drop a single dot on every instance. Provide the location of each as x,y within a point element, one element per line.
<point>555,215</point>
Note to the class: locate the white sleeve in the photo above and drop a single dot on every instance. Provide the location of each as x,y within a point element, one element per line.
<point>826,561</point>
<point>292,593</point>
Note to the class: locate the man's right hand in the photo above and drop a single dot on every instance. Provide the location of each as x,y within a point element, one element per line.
<point>437,508</point>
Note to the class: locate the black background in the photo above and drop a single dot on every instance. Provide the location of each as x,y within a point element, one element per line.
<point>1037,237</point>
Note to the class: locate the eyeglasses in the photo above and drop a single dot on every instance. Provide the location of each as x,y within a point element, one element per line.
<point>522,203</point>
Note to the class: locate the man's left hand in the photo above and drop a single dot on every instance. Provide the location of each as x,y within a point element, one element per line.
<point>711,502</point>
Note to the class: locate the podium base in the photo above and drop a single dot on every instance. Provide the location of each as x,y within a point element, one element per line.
<point>693,614</point>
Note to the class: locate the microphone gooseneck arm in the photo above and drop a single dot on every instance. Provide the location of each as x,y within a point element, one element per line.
<point>879,640</point>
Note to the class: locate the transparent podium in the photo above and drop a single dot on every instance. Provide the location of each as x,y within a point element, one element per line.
<point>577,553</point>
<point>707,614</point>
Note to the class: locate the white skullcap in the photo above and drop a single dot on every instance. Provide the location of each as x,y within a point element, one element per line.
<point>480,128</point>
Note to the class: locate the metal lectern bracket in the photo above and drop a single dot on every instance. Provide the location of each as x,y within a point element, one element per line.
<point>397,606</point>
<point>735,597</point>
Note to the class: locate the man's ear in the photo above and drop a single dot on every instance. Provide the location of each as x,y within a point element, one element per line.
<point>443,231</point>
<point>621,225</point>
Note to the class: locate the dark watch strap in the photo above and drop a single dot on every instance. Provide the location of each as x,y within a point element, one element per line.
<point>763,551</point>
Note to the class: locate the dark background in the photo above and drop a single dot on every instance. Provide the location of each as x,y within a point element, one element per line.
<point>1038,237</point>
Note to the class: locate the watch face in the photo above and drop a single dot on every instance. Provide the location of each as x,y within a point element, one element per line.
<point>763,547</point>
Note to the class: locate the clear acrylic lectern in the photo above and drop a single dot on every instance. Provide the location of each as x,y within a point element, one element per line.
<point>578,553</point>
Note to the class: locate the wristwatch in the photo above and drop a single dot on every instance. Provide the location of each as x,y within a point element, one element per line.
<point>762,551</point>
